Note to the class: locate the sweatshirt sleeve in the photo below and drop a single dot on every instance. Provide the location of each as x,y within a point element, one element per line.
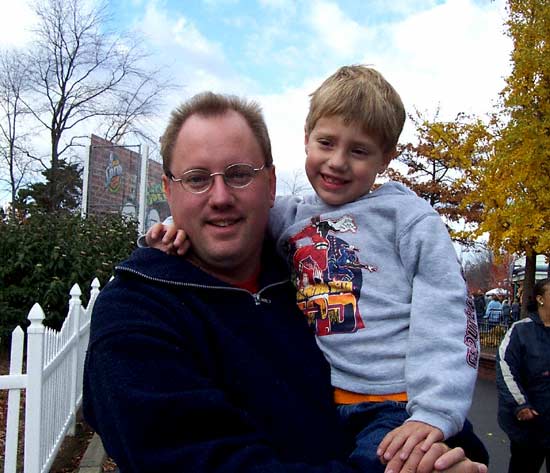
<point>283,215</point>
<point>510,390</point>
<point>443,347</point>
<point>157,408</point>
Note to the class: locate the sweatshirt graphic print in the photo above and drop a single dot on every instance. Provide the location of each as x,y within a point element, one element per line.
<point>327,272</point>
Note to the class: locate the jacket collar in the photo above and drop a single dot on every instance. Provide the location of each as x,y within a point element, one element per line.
<point>155,264</point>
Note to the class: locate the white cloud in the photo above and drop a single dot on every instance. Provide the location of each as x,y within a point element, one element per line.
<point>16,20</point>
<point>192,58</point>
<point>453,56</point>
<point>335,31</point>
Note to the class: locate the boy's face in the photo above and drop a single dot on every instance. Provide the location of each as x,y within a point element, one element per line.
<point>342,161</point>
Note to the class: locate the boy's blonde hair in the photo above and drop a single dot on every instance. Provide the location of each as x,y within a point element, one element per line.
<point>360,94</point>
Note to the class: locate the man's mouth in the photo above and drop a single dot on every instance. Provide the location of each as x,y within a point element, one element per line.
<point>222,223</point>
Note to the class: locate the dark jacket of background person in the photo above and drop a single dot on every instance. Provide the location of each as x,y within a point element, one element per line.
<point>185,373</point>
<point>515,310</point>
<point>479,303</point>
<point>506,309</point>
<point>523,380</point>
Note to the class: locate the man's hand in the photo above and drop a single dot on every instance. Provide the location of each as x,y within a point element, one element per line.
<point>407,436</point>
<point>167,238</point>
<point>439,458</point>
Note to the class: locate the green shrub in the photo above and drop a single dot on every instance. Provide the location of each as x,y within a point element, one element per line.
<point>44,255</point>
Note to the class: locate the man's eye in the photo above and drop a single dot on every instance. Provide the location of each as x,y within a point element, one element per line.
<point>239,176</point>
<point>324,142</point>
<point>196,179</point>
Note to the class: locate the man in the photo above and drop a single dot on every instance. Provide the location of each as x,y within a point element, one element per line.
<point>204,364</point>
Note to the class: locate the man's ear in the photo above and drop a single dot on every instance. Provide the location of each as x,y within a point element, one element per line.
<point>272,185</point>
<point>166,187</point>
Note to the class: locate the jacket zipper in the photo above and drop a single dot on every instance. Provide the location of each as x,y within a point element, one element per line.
<point>258,299</point>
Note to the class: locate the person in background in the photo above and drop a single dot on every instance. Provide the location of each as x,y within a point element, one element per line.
<point>523,382</point>
<point>203,364</point>
<point>493,312</point>
<point>479,303</point>
<point>515,310</point>
<point>506,310</point>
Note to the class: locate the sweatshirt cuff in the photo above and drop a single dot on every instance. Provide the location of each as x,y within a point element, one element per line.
<point>141,242</point>
<point>446,425</point>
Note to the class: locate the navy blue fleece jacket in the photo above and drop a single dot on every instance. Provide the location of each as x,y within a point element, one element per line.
<point>523,380</point>
<point>185,373</point>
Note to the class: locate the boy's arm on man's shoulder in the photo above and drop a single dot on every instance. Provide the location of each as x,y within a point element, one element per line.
<point>283,214</point>
<point>142,239</point>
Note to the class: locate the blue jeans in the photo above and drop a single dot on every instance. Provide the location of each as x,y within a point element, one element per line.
<point>369,422</point>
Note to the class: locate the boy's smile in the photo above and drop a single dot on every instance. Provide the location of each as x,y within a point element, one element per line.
<point>342,160</point>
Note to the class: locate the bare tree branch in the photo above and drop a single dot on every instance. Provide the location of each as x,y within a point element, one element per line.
<point>81,71</point>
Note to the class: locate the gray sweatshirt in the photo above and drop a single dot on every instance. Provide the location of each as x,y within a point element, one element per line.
<point>380,282</point>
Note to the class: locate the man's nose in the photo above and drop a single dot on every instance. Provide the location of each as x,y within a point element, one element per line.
<point>220,193</point>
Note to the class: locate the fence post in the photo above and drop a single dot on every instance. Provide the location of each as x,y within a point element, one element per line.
<point>14,400</point>
<point>93,295</point>
<point>75,306</point>
<point>33,411</point>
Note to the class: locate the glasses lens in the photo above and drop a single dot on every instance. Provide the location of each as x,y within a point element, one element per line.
<point>239,175</point>
<point>196,180</point>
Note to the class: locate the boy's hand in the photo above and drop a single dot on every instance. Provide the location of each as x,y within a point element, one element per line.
<point>407,436</point>
<point>439,458</point>
<point>167,238</point>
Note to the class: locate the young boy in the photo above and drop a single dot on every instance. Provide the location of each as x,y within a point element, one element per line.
<point>376,276</point>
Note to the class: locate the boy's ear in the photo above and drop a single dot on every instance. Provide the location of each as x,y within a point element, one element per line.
<point>388,156</point>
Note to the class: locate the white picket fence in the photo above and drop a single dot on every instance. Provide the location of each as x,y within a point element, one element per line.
<point>53,383</point>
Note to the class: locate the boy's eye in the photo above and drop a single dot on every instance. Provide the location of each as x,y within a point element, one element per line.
<point>324,142</point>
<point>360,152</point>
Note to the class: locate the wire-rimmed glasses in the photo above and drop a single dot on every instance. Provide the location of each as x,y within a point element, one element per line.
<point>236,175</point>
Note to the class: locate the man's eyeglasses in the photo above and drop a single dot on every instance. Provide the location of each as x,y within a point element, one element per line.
<point>237,175</point>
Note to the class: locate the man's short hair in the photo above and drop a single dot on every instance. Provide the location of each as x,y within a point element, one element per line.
<point>209,104</point>
<point>360,94</point>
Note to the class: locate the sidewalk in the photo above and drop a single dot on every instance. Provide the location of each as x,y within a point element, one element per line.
<point>483,415</point>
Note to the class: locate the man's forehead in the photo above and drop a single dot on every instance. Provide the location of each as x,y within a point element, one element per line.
<point>221,136</point>
<point>227,125</point>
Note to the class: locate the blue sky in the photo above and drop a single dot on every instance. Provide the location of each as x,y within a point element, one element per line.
<point>446,55</point>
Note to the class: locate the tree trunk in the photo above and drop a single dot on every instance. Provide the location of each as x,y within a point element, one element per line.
<point>529,281</point>
<point>54,175</point>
